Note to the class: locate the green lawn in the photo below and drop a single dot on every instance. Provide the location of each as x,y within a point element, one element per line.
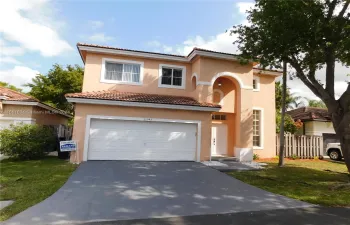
<point>30,182</point>
<point>314,181</point>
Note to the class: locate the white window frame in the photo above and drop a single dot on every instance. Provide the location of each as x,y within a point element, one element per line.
<point>183,81</point>
<point>261,128</point>
<point>257,80</point>
<point>103,71</point>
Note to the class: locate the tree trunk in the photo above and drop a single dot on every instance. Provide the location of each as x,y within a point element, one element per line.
<point>342,129</point>
<point>284,93</point>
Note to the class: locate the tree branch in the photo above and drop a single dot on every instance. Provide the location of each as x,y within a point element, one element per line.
<point>344,99</point>
<point>312,83</point>
<point>345,7</point>
<point>331,8</point>
<point>330,67</point>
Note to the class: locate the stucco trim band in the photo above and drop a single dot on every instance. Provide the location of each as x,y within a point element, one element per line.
<point>142,104</point>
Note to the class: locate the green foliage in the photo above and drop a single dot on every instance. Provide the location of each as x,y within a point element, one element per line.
<point>292,101</point>
<point>10,86</point>
<point>283,29</point>
<point>27,141</point>
<point>289,124</point>
<point>294,157</point>
<point>317,103</point>
<point>59,81</point>
<point>256,156</point>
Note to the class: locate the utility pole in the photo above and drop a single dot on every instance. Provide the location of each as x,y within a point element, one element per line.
<point>284,93</point>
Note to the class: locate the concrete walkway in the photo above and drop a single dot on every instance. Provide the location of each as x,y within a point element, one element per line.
<point>126,190</point>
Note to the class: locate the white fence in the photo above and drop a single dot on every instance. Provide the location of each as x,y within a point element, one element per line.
<point>302,146</point>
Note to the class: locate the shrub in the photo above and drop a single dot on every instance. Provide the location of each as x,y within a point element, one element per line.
<point>294,157</point>
<point>27,141</point>
<point>255,156</point>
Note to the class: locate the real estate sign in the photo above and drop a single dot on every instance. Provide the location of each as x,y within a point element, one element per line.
<point>68,146</point>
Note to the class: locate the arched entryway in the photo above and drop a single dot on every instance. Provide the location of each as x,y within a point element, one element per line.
<point>226,91</point>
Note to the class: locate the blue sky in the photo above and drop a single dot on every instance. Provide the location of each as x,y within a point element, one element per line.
<point>38,33</point>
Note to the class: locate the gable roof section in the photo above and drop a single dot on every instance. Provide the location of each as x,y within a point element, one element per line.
<point>122,51</point>
<point>310,114</point>
<point>159,100</point>
<point>12,97</point>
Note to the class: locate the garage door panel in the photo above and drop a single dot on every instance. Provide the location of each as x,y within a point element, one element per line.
<point>138,140</point>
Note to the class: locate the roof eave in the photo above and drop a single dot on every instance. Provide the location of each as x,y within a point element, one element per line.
<point>141,104</point>
<point>131,53</point>
<point>266,72</point>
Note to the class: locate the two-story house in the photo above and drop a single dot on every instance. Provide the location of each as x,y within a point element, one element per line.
<point>138,105</point>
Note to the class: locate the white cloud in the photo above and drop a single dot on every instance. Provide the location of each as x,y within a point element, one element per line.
<point>222,43</point>
<point>95,24</point>
<point>18,76</point>
<point>244,6</point>
<point>9,60</point>
<point>33,33</point>
<point>159,47</point>
<point>100,37</point>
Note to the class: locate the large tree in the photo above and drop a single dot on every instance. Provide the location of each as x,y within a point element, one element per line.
<point>59,81</point>
<point>308,35</point>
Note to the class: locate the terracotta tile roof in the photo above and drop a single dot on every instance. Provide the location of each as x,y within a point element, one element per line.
<point>206,50</point>
<point>12,95</point>
<point>131,50</point>
<point>115,95</point>
<point>124,49</point>
<point>309,114</point>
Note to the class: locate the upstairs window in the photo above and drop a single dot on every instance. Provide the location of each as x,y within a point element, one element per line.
<point>172,76</point>
<point>256,83</point>
<point>120,71</point>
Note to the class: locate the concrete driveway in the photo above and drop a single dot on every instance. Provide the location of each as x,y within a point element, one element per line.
<point>122,190</point>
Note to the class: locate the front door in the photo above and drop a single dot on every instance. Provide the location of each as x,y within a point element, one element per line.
<point>219,139</point>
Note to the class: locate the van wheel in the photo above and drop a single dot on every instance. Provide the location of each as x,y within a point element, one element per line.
<point>334,154</point>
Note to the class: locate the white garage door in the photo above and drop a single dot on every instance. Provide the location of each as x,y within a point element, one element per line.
<point>139,140</point>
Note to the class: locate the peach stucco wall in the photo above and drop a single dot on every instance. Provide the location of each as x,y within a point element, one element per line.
<point>40,115</point>
<point>82,110</point>
<point>44,117</point>
<point>23,111</point>
<point>265,98</point>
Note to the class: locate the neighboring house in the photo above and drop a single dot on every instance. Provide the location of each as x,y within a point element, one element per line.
<point>16,107</point>
<point>138,105</point>
<point>316,121</point>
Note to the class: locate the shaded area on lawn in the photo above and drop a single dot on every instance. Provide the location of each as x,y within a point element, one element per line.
<point>30,182</point>
<point>313,181</point>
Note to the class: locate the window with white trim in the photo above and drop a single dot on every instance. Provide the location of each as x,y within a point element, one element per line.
<point>256,83</point>
<point>124,72</point>
<point>257,128</point>
<point>172,76</point>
